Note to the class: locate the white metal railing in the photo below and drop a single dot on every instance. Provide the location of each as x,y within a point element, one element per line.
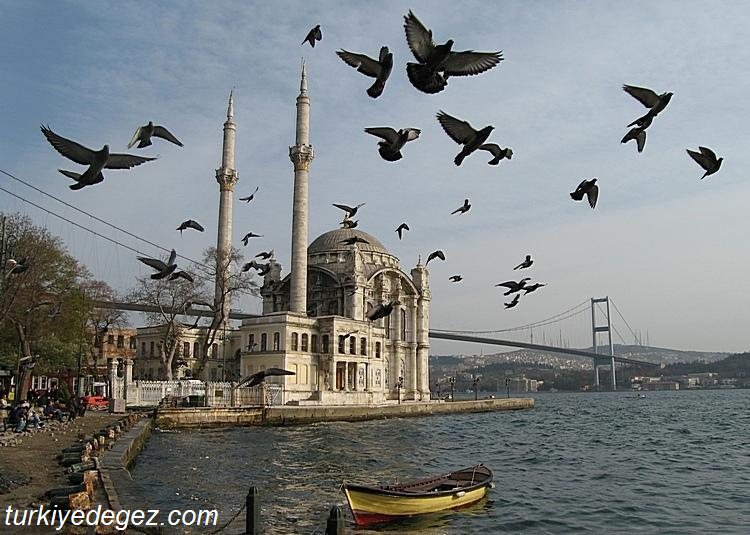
<point>216,393</point>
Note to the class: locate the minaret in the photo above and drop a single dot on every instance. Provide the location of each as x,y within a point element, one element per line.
<point>301,155</point>
<point>227,177</point>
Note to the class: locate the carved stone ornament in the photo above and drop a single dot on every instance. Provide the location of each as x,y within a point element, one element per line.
<point>301,156</point>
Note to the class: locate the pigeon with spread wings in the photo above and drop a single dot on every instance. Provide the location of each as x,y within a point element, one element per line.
<point>588,188</point>
<point>654,102</point>
<point>379,69</point>
<point>144,133</point>
<point>190,223</point>
<point>496,151</point>
<point>260,377</point>
<point>462,133</point>
<point>438,62</point>
<point>390,148</point>
<point>313,35</point>
<point>96,160</point>
<point>706,158</point>
<point>163,269</point>
<point>401,228</point>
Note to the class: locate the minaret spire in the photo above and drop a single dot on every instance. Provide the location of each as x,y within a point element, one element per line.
<point>301,155</point>
<point>227,177</point>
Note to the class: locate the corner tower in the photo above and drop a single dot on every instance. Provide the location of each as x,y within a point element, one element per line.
<point>227,177</point>
<point>301,155</point>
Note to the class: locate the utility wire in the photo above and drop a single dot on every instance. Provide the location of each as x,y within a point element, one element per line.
<point>200,264</point>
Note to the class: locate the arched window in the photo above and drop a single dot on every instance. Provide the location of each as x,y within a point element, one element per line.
<point>251,342</point>
<point>326,344</point>
<point>303,346</point>
<point>263,342</point>
<point>342,343</point>
<point>276,337</point>
<point>363,346</point>
<point>352,345</point>
<point>295,342</point>
<point>314,343</point>
<point>197,350</point>
<point>377,350</point>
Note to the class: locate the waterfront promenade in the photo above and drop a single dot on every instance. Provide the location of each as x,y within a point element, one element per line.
<point>203,417</point>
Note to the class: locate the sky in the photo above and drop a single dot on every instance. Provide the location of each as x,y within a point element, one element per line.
<point>669,249</point>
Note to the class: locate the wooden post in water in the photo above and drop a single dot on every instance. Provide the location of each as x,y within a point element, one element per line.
<point>335,525</point>
<point>252,514</point>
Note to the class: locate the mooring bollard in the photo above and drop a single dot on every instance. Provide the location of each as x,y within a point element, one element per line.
<point>252,515</point>
<point>335,525</point>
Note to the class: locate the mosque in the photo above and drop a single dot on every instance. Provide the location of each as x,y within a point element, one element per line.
<point>314,321</point>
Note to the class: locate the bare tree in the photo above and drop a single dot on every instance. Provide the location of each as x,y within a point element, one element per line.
<point>99,320</point>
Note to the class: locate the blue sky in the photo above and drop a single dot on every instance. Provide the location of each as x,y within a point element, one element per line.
<point>669,248</point>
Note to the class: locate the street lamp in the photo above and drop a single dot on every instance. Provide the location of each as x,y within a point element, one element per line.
<point>475,384</point>
<point>400,385</point>
<point>452,381</point>
<point>507,385</point>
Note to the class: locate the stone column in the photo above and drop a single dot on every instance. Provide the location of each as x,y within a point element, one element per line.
<point>346,376</point>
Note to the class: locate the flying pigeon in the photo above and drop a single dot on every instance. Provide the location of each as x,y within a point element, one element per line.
<point>251,196</point>
<point>17,268</point>
<point>462,133</point>
<point>401,228</point>
<point>380,69</point>
<point>462,209</point>
<point>514,302</point>
<point>261,269</point>
<point>181,275</point>
<point>162,269</point>
<point>348,223</point>
<point>347,335</point>
<point>532,288</point>
<point>526,263</point>
<point>143,135</point>
<point>190,224</point>
<point>655,103</point>
<point>381,311</point>
<point>265,255</point>
<point>249,235</point>
<point>514,286</point>
<point>313,35</point>
<point>588,188</point>
<point>435,254</point>
<point>637,133</point>
<point>436,59</point>
<point>96,160</point>
<point>393,142</point>
<point>706,159</point>
<point>497,152</point>
<point>260,377</point>
<point>354,240</point>
<point>348,209</point>
<point>455,278</point>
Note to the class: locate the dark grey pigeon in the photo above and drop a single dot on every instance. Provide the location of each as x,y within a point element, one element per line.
<point>250,265</point>
<point>260,377</point>
<point>348,223</point>
<point>190,223</point>
<point>393,142</point>
<point>637,133</point>
<point>532,288</point>
<point>354,240</point>
<point>462,133</point>
<point>514,302</point>
<point>497,152</point>
<point>463,208</point>
<point>525,264</point>
<point>143,135</point>
<point>348,209</point>
<point>181,275</point>
<point>265,255</point>
<point>435,254</point>
<point>514,286</point>
<point>313,35</point>
<point>381,311</point>
<point>588,188</point>
<point>96,160</point>
<point>706,159</point>
<point>249,235</point>
<point>455,278</point>
<point>163,269</point>
<point>655,103</point>
<point>251,196</point>
<point>401,228</point>
<point>379,69</point>
<point>438,62</point>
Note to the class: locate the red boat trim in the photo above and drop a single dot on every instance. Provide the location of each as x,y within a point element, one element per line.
<point>363,518</point>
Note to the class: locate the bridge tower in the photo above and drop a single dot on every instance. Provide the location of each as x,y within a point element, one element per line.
<point>595,330</point>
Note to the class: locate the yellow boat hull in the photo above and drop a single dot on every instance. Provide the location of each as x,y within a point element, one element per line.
<point>368,508</point>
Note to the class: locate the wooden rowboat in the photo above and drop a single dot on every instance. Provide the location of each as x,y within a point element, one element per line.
<point>437,493</point>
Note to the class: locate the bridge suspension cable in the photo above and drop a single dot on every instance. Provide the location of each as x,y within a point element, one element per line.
<point>566,314</point>
<point>635,337</point>
<point>209,271</point>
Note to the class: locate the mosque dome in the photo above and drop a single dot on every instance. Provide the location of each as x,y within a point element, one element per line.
<point>332,241</point>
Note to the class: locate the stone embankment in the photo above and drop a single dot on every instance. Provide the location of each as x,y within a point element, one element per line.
<point>202,417</point>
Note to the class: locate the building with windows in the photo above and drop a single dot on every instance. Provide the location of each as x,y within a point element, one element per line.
<point>314,320</point>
